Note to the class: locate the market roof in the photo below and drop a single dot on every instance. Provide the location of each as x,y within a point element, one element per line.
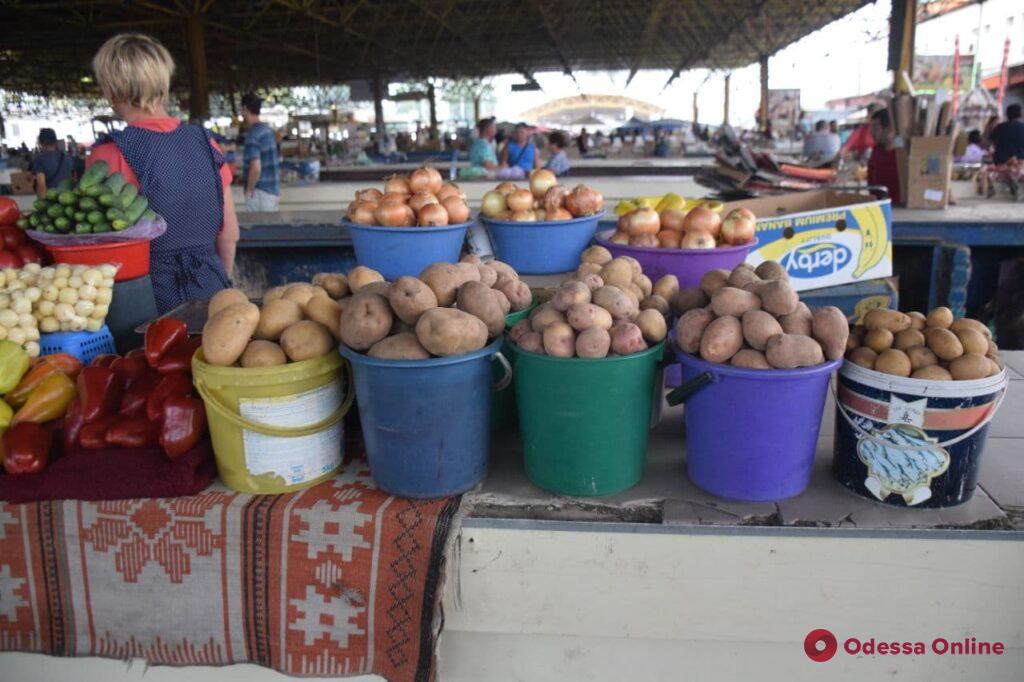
<point>48,44</point>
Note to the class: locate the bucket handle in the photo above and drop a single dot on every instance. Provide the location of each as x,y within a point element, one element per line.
<point>502,383</point>
<point>680,394</point>
<point>283,431</point>
<point>913,448</point>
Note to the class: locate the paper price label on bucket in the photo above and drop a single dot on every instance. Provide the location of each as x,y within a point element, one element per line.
<point>898,470</point>
<point>300,459</point>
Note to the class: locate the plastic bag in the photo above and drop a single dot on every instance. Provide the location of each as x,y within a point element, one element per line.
<point>144,230</point>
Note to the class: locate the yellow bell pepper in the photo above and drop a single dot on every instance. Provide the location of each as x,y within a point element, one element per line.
<point>13,365</point>
<point>6,412</point>
<point>670,201</point>
<point>48,401</point>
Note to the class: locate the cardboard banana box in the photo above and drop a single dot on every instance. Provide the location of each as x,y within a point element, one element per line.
<point>823,238</point>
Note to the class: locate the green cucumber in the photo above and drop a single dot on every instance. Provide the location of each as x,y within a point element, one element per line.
<point>52,194</point>
<point>62,224</point>
<point>81,216</point>
<point>54,210</point>
<point>69,211</point>
<point>115,183</point>
<point>127,196</point>
<point>93,190</point>
<point>83,228</point>
<point>149,215</point>
<point>33,220</point>
<point>66,197</point>
<point>107,199</point>
<point>22,222</point>
<point>88,204</point>
<point>39,204</point>
<point>136,208</point>
<point>102,227</point>
<point>95,174</point>
<point>95,217</point>
<point>113,214</point>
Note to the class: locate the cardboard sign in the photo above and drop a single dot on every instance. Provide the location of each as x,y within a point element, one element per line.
<point>929,169</point>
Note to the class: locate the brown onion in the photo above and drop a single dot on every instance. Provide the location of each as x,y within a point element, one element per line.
<point>420,199</point>
<point>504,215</point>
<point>541,180</point>
<point>672,219</point>
<point>697,239</point>
<point>669,239</point>
<point>397,184</point>
<point>450,189</point>
<point>541,214</point>
<point>648,241</point>
<point>520,200</point>
<point>493,204</point>
<point>507,188</point>
<point>527,216</point>
<point>554,198</point>
<point>737,228</point>
<point>436,181</point>
<point>619,237</point>
<point>394,198</point>
<point>583,201</point>
<point>458,210</point>
<point>643,221</point>
<point>369,194</point>
<point>432,215</point>
<point>361,212</point>
<point>702,219</point>
<point>558,214</point>
<point>393,214</point>
<point>746,212</point>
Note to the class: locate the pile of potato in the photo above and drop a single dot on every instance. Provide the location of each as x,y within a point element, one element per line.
<point>753,318</point>
<point>608,307</point>
<point>934,346</point>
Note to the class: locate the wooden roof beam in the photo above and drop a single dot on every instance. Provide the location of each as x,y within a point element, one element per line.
<point>553,37</point>
<point>647,39</point>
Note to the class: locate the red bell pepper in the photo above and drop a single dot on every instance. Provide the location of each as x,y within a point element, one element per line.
<point>48,401</point>
<point>133,401</point>
<point>27,448</point>
<point>129,369</point>
<point>179,357</point>
<point>9,212</point>
<point>65,363</point>
<point>103,360</point>
<point>136,353</point>
<point>73,423</point>
<point>93,435</point>
<point>161,336</point>
<point>184,423</point>
<point>100,390</point>
<point>177,383</point>
<point>132,432</point>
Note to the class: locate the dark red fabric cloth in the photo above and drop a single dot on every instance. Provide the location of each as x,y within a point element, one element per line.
<point>883,170</point>
<point>114,474</point>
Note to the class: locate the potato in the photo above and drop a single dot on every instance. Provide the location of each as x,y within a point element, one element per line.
<point>617,302</point>
<point>778,297</point>
<point>404,346</point>
<point>750,359</point>
<point>226,334</point>
<point>593,281</point>
<point>381,288</point>
<point>831,329</point>
<point>971,339</point>
<point>667,286</point>
<point>713,280</point>
<point>690,329</point>
<point>688,299</point>
<point>326,311</point>
<point>656,302</point>
<point>617,273</point>
<point>732,301</point>
<point>595,254</point>
<point>518,293</point>
<point>800,321</point>
<point>399,327</point>
<point>758,327</point>
<point>770,269</point>
<point>652,325</point>
<point>634,265</point>
<point>741,276</point>
<point>939,317</point>
<point>506,272</point>
<point>502,300</point>
<point>365,320</point>
<point>360,276</point>
<point>893,361</point>
<point>532,342</point>
<point>447,331</point>
<point>261,353</point>
<point>593,342</point>
<point>471,258</point>
<point>863,356</point>
<point>300,293</point>
<point>569,294</point>
<point>920,356</point>
<point>334,283</point>
<point>918,321</point>
<point>586,315</point>
<point>943,343</point>
<point>305,340</point>
<point>476,298</point>
<point>223,298</point>
<point>853,341</point>
<point>789,351</point>
<point>722,338</point>
<point>545,314</point>
<point>273,293</point>
<point>908,338</point>
<point>319,291</point>
<point>410,298</point>
<point>644,282</point>
<point>519,330</point>
<point>965,323</point>
<point>995,367</point>
<point>970,366</point>
<point>559,340</point>
<point>588,269</point>
<point>635,292</point>
<point>275,317</point>
<point>932,373</point>
<point>444,279</point>
<point>883,318</point>
<point>878,339</point>
<point>468,272</point>
<point>488,275</point>
<point>627,339</point>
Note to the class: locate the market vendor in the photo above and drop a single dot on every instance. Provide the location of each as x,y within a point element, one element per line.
<point>882,166</point>
<point>50,166</point>
<point>520,155</point>
<point>177,166</point>
<point>1008,137</point>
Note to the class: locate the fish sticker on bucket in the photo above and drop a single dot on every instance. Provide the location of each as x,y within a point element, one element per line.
<point>907,468</point>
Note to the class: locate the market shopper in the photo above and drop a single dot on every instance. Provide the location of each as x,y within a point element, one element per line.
<point>558,161</point>
<point>520,155</point>
<point>1008,137</point>
<point>261,171</point>
<point>821,146</point>
<point>483,160</point>
<point>177,166</point>
<point>50,166</point>
<point>882,166</point>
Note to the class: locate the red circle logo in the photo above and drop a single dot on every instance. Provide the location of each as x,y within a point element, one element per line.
<point>820,645</point>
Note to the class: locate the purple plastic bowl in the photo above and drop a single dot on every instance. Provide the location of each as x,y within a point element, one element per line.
<point>689,265</point>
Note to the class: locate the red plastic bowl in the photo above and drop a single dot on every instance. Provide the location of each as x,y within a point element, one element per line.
<point>132,257</point>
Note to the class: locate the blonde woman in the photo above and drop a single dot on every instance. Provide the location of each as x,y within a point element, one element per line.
<point>177,166</point>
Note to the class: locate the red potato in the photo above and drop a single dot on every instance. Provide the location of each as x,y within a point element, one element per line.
<point>532,342</point>
<point>627,339</point>
<point>545,315</point>
<point>570,294</point>
<point>586,315</point>
<point>559,340</point>
<point>593,342</point>
<point>593,281</point>
<point>519,330</point>
<point>517,292</point>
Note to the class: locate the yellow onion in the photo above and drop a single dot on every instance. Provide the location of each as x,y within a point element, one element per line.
<point>541,214</point>
<point>558,214</point>
<point>737,228</point>
<point>397,184</point>
<point>554,198</point>
<point>583,201</point>
<point>647,241</point>
<point>425,179</point>
<point>619,237</point>
<point>504,215</point>
<point>520,200</point>
<point>697,239</point>
<point>450,189</point>
<point>394,198</point>
<point>672,219</point>
<point>432,215</point>
<point>362,212</point>
<point>420,199</point>
<point>394,214</point>
<point>457,208</point>
<point>527,216</point>
<point>541,180</point>
<point>369,194</point>
<point>493,203</point>
<point>669,239</point>
<point>643,221</point>
<point>702,219</point>
<point>746,212</point>
<point>507,188</point>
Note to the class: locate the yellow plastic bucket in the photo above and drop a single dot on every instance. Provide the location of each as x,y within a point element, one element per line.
<point>276,429</point>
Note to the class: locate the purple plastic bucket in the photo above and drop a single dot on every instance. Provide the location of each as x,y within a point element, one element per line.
<point>751,434</point>
<point>541,248</point>
<point>689,265</point>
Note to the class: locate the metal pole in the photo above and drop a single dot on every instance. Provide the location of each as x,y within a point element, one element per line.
<point>725,108</point>
<point>431,97</point>
<point>763,112</point>
<point>378,105</point>
<point>904,16</point>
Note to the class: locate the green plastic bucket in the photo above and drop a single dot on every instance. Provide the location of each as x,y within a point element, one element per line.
<point>585,422</point>
<point>503,405</point>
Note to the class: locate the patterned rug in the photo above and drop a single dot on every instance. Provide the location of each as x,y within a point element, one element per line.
<point>339,579</point>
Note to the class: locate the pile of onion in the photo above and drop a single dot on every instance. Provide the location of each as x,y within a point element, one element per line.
<point>545,200</point>
<point>698,228</point>
<point>421,199</point>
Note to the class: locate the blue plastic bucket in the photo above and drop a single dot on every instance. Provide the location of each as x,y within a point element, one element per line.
<point>398,251</point>
<point>912,442</point>
<point>751,434</point>
<point>541,248</point>
<point>426,423</point>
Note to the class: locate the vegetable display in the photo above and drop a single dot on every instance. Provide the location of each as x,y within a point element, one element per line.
<point>421,199</point>
<point>608,307</point>
<point>544,201</point>
<point>753,318</point>
<point>935,346</point>
<point>676,224</point>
